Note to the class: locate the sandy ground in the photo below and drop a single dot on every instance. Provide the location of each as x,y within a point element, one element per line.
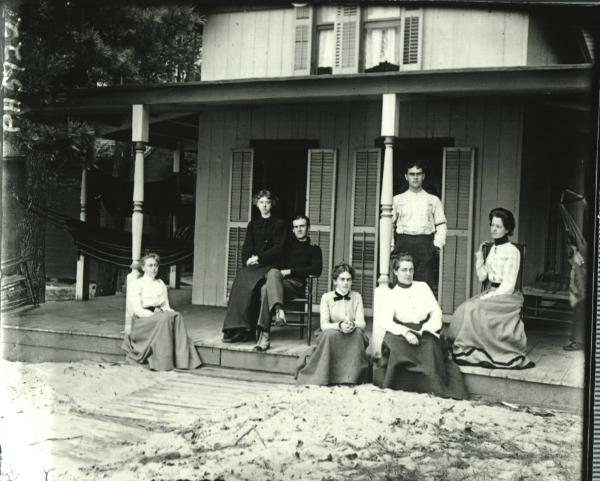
<point>51,413</point>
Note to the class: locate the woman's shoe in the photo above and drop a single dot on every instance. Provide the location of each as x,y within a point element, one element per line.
<point>239,335</point>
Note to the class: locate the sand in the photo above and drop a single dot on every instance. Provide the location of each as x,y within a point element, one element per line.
<point>52,413</point>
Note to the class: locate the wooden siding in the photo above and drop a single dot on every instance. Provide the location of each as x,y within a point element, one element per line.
<point>494,129</point>
<point>260,43</point>
<point>466,38</point>
<point>251,44</point>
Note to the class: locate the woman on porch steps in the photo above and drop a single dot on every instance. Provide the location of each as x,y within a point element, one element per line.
<point>340,354</point>
<point>262,250</point>
<point>413,358</point>
<point>487,329</point>
<point>156,334</point>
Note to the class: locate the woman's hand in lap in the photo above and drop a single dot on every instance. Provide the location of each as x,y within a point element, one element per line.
<point>347,326</point>
<point>411,338</point>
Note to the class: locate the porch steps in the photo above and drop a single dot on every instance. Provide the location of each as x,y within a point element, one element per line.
<point>65,331</point>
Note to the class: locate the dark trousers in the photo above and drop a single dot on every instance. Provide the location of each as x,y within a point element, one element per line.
<point>276,290</point>
<point>421,248</point>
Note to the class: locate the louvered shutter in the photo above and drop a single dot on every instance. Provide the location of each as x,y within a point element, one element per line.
<point>320,203</point>
<point>411,37</point>
<point>303,40</point>
<point>365,217</point>
<point>240,200</point>
<point>457,197</point>
<point>347,38</point>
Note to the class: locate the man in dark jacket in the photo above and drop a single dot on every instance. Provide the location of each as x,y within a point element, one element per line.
<point>289,280</point>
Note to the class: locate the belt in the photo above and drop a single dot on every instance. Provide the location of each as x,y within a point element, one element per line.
<point>495,284</point>
<point>151,308</point>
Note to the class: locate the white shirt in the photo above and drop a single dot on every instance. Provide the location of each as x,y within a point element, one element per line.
<point>147,292</point>
<point>412,305</point>
<point>418,213</point>
<point>501,266</point>
<point>333,312</point>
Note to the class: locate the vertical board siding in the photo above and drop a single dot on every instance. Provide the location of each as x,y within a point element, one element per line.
<point>494,130</point>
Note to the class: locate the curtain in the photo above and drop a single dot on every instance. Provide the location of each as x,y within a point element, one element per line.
<point>326,48</point>
<point>381,46</point>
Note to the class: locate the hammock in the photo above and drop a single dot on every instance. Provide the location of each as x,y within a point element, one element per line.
<point>114,247</point>
<point>574,232</point>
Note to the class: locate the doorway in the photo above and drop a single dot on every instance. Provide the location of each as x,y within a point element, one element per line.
<point>281,167</point>
<point>430,153</point>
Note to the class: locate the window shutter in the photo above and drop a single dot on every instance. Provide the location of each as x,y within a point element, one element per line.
<point>457,197</point>
<point>303,40</point>
<point>365,217</point>
<point>240,199</point>
<point>347,38</point>
<point>320,203</point>
<point>411,37</point>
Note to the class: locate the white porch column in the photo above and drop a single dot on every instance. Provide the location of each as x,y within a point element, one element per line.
<point>82,283</point>
<point>139,136</point>
<point>389,130</point>
<point>174,269</point>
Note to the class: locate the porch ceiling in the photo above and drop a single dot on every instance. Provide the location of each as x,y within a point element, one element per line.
<point>171,104</point>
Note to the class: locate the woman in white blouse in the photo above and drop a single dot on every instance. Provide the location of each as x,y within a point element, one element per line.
<point>156,334</point>
<point>487,330</point>
<point>340,354</point>
<point>412,356</point>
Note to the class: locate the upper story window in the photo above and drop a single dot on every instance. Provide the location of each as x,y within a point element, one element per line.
<point>325,48</point>
<point>350,39</point>
<point>381,46</point>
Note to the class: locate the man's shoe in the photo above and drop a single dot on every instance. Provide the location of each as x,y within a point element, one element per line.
<point>574,346</point>
<point>280,319</point>
<point>263,342</point>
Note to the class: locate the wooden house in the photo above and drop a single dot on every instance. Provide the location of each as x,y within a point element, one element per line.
<point>323,104</point>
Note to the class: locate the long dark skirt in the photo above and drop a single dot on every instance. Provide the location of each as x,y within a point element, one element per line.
<point>422,368</point>
<point>162,341</point>
<point>336,359</point>
<point>490,333</point>
<point>242,309</point>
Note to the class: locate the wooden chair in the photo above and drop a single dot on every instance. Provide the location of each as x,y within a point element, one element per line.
<point>302,306</point>
<point>16,286</point>
<point>519,284</point>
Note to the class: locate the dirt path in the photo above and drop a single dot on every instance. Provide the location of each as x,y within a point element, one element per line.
<point>87,421</point>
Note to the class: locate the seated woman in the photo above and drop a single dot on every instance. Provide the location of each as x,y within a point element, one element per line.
<point>487,329</point>
<point>156,333</point>
<point>262,250</point>
<point>340,354</point>
<point>412,355</point>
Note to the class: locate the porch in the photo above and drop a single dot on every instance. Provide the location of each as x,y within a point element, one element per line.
<point>73,331</point>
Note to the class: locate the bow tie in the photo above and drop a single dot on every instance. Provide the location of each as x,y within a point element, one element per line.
<point>339,297</point>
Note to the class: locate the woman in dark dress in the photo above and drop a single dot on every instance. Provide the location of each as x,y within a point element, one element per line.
<point>262,250</point>
<point>340,354</point>
<point>156,334</point>
<point>413,357</point>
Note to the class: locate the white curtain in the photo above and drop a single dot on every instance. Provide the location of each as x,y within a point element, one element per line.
<point>381,46</point>
<point>326,48</point>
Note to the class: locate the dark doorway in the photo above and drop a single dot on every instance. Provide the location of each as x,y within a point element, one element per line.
<point>281,166</point>
<point>430,153</point>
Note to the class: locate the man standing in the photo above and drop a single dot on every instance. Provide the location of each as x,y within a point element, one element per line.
<point>289,281</point>
<point>420,224</point>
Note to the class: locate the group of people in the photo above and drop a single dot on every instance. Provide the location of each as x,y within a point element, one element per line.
<point>415,353</point>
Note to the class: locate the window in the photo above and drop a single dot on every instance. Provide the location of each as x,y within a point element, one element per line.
<point>381,47</point>
<point>325,40</point>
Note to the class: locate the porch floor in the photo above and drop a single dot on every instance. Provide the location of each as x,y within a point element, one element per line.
<point>71,330</point>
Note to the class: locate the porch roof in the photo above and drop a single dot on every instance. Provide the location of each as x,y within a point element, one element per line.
<point>111,106</point>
